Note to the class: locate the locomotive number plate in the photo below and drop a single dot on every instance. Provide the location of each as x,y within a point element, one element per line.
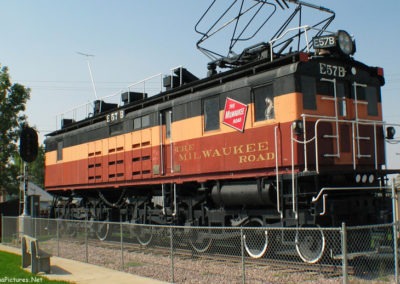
<point>324,41</point>
<point>332,70</point>
<point>115,116</point>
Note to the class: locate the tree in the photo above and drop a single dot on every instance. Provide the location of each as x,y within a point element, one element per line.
<point>13,98</point>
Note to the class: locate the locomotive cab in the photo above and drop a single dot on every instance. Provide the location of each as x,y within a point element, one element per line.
<point>339,137</point>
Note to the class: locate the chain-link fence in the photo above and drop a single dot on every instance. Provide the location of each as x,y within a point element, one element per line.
<point>226,255</point>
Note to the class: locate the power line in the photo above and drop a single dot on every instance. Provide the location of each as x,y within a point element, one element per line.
<point>72,82</point>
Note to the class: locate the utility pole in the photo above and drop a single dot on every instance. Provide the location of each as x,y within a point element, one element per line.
<point>26,182</point>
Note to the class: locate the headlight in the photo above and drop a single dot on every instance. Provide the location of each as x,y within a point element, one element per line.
<point>345,43</point>
<point>390,132</point>
<point>340,42</point>
<point>298,127</point>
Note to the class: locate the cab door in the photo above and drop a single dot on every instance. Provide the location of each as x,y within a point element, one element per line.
<point>352,139</point>
<point>166,143</point>
<point>169,193</point>
<point>336,126</point>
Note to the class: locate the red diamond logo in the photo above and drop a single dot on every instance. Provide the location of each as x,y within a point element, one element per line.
<point>235,114</point>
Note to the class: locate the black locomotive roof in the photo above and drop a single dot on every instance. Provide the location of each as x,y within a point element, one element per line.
<point>202,84</point>
<point>216,80</point>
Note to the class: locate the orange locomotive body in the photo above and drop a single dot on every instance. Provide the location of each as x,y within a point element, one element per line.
<point>180,136</point>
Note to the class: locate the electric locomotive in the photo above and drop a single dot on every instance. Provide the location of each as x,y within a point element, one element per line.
<point>283,138</point>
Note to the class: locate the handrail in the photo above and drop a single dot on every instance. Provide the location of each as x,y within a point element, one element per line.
<point>175,204</point>
<point>278,194</point>
<point>294,195</point>
<point>171,143</point>
<point>146,79</point>
<point>355,138</point>
<point>335,100</point>
<point>151,85</point>
<point>325,195</point>
<point>304,27</point>
<point>161,145</point>
<point>355,85</point>
<point>324,189</point>
<point>163,198</point>
<point>271,42</point>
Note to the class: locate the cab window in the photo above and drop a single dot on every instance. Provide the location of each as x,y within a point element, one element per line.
<point>372,99</point>
<point>211,113</point>
<point>263,98</point>
<point>309,90</point>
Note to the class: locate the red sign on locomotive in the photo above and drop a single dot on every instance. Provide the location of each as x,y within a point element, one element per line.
<point>235,114</point>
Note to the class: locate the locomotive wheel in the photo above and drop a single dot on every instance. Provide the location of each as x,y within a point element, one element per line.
<point>102,230</point>
<point>310,245</point>
<point>102,227</point>
<point>144,234</point>
<point>67,228</point>
<point>200,239</point>
<point>255,241</point>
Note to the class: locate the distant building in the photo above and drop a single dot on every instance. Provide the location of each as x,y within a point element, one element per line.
<point>45,198</point>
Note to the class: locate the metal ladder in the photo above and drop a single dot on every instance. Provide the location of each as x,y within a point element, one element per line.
<point>336,133</point>
<point>358,138</point>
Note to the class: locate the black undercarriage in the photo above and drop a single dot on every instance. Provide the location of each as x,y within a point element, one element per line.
<point>232,203</point>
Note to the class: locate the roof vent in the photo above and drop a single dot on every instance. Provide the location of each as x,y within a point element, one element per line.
<point>101,106</point>
<point>129,97</point>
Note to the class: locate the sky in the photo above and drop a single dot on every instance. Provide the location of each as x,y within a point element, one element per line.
<point>132,40</point>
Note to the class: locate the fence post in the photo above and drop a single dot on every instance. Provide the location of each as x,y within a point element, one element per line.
<point>33,226</point>
<point>86,239</point>
<point>242,240</point>
<point>396,273</point>
<point>2,228</point>
<point>58,237</point>
<point>171,233</point>
<point>122,243</point>
<point>396,256</point>
<point>344,253</point>
<point>31,229</point>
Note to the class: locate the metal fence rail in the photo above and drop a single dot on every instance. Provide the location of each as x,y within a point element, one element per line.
<point>227,255</point>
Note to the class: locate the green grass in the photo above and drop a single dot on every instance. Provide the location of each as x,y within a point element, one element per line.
<point>134,264</point>
<point>11,271</point>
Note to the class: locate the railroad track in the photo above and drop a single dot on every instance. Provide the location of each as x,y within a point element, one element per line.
<point>286,265</point>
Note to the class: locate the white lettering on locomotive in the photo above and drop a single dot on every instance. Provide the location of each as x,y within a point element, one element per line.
<point>332,70</point>
<point>246,153</point>
<point>115,116</point>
